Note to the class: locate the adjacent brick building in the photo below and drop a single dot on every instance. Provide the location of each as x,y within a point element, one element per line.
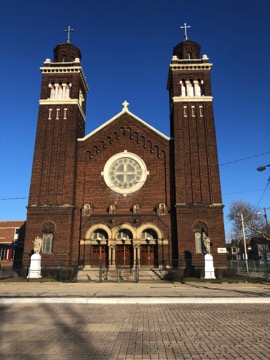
<point>126,192</point>
<point>11,242</point>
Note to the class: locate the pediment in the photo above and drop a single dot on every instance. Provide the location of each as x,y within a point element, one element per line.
<point>117,117</point>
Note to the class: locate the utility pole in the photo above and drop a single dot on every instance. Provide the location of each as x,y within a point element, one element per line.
<point>245,243</point>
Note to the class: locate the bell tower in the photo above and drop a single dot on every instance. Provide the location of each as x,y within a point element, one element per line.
<point>196,193</point>
<point>61,121</point>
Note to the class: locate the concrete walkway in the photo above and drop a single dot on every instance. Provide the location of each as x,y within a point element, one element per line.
<point>128,321</point>
<point>150,292</point>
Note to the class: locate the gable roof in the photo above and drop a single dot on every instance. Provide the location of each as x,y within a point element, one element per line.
<point>124,110</point>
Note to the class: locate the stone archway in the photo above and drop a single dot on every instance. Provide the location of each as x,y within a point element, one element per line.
<point>96,249</point>
<point>151,245</point>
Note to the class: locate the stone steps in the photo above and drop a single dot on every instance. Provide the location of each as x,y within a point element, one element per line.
<point>88,274</point>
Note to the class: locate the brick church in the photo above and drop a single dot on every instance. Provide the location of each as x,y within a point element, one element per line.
<point>126,193</point>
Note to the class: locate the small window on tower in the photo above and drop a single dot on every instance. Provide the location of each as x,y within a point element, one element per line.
<point>64,58</point>
<point>201,111</point>
<point>188,55</point>
<point>185,111</point>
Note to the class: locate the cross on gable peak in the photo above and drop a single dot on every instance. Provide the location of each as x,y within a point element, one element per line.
<point>125,105</point>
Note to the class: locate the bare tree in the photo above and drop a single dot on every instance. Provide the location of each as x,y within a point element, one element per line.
<point>253,220</point>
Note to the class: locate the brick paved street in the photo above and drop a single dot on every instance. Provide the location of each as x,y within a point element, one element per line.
<point>174,331</point>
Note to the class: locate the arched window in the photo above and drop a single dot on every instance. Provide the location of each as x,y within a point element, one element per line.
<point>47,243</point>
<point>47,238</point>
<point>200,228</point>
<point>99,235</point>
<point>124,234</point>
<point>149,234</point>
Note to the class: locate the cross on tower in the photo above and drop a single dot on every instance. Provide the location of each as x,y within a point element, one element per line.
<point>185,27</point>
<point>68,30</point>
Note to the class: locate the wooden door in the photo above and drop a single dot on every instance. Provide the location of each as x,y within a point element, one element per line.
<point>124,255</point>
<point>99,253</point>
<point>148,255</point>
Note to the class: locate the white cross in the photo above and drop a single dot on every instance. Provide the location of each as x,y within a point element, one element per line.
<point>68,30</point>
<point>185,27</point>
<point>125,173</point>
<point>125,105</point>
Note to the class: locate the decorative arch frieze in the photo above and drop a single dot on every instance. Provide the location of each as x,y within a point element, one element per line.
<point>142,139</point>
<point>125,131</point>
<point>109,139</point>
<point>116,135</point>
<point>103,144</point>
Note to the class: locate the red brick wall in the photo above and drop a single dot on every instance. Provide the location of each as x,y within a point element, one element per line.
<point>182,171</point>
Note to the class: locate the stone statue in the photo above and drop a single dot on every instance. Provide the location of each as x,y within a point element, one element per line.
<point>37,245</point>
<point>136,209</point>
<point>112,209</point>
<point>87,210</point>
<point>161,210</point>
<point>206,242</point>
<point>34,271</point>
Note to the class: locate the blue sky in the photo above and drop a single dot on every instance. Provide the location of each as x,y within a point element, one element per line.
<point>127,47</point>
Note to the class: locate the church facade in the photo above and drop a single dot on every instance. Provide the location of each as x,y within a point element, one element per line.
<point>126,193</point>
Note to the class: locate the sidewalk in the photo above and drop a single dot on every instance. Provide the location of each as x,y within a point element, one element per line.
<point>154,292</point>
<point>144,321</point>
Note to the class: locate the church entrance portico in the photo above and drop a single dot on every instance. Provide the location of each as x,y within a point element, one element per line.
<point>125,245</point>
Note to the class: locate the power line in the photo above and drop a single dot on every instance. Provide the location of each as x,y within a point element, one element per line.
<point>246,158</point>
<point>242,192</point>
<point>268,182</point>
<point>14,198</point>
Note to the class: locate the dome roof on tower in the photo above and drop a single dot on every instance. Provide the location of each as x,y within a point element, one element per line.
<point>187,49</point>
<point>66,53</point>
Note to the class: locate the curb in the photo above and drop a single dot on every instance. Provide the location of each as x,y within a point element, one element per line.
<point>134,300</point>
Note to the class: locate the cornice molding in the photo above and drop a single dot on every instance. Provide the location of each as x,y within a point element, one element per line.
<point>204,66</point>
<point>65,70</point>
<point>192,98</point>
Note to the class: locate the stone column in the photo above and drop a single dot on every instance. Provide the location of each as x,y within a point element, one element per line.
<point>113,255</point>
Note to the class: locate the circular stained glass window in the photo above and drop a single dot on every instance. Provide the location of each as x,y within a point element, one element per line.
<point>125,173</point>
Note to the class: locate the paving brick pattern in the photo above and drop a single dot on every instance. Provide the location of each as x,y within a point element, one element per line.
<point>154,331</point>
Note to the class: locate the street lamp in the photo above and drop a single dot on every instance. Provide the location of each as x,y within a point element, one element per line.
<point>262,168</point>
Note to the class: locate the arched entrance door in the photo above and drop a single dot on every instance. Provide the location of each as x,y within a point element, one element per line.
<point>99,250</point>
<point>149,248</point>
<point>124,251</point>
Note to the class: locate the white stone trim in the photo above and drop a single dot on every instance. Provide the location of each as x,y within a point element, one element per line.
<point>152,226</point>
<point>192,98</point>
<point>125,110</point>
<point>65,69</point>
<point>63,102</point>
<point>93,228</point>
<point>125,226</point>
<point>193,66</point>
